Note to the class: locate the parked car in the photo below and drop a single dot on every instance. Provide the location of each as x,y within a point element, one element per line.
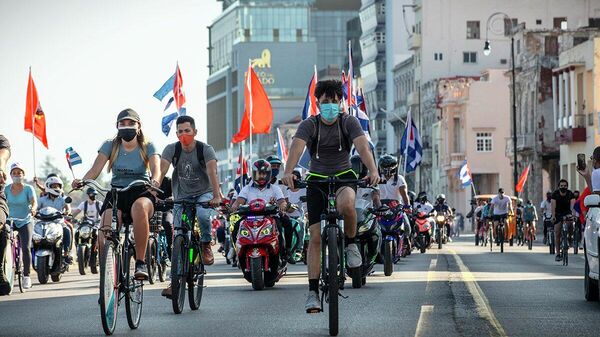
<point>590,246</point>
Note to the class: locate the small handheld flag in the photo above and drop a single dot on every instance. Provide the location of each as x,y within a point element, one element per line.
<point>464,175</point>
<point>73,159</point>
<point>174,86</point>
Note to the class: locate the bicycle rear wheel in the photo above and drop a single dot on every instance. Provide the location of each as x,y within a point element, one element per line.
<point>109,287</point>
<point>491,237</point>
<point>19,271</point>
<point>151,260</point>
<point>195,279</point>
<point>501,234</point>
<point>134,296</point>
<point>178,274</point>
<point>333,279</point>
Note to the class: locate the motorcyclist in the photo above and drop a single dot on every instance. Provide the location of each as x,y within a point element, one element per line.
<point>275,167</point>
<point>394,186</point>
<point>90,208</point>
<point>441,207</point>
<point>297,212</point>
<point>422,204</point>
<point>54,198</point>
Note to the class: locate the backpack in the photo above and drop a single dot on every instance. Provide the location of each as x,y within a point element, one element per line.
<point>346,143</point>
<point>199,154</point>
<point>85,208</point>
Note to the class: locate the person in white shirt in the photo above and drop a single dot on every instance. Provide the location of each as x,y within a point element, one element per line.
<point>262,189</point>
<point>394,185</point>
<point>422,204</point>
<point>90,208</point>
<point>501,207</point>
<point>294,198</point>
<point>546,208</point>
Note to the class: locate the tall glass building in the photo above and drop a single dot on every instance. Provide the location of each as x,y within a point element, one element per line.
<point>283,40</point>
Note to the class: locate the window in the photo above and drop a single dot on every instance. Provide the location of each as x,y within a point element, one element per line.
<point>503,61</point>
<point>246,34</point>
<point>381,8</point>
<point>484,141</point>
<point>469,57</point>
<point>509,24</point>
<point>438,56</point>
<point>538,22</point>
<point>299,35</point>
<point>380,37</point>
<point>558,23</point>
<point>594,22</point>
<point>473,30</point>
<point>276,35</point>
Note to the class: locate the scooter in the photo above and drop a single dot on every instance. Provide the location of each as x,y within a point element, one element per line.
<point>368,240</point>
<point>423,226</point>
<point>48,245</point>
<point>258,244</point>
<point>391,221</point>
<point>86,237</point>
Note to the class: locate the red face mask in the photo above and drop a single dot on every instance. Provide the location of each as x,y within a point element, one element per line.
<point>186,139</point>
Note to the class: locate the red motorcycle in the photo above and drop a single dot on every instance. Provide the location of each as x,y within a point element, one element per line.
<point>423,226</point>
<point>258,245</point>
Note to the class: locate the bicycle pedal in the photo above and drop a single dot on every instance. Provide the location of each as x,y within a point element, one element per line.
<point>342,296</point>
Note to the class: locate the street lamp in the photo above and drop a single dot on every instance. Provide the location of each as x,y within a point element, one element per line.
<point>487,50</point>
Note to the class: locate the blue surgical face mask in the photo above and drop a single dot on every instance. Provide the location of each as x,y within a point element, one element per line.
<point>329,111</point>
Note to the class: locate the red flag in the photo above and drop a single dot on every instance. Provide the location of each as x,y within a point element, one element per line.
<point>35,119</point>
<point>256,102</point>
<point>522,180</point>
<point>177,89</point>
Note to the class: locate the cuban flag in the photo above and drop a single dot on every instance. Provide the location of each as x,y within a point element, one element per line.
<point>410,146</point>
<point>73,157</point>
<point>310,103</point>
<point>350,99</point>
<point>171,91</point>
<point>281,149</point>
<point>360,112</point>
<point>241,178</point>
<point>464,175</point>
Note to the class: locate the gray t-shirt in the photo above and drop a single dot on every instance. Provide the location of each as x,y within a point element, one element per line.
<point>189,178</point>
<point>128,166</point>
<point>332,157</point>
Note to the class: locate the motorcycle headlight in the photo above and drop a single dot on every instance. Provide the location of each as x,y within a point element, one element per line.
<point>37,237</point>
<point>440,218</point>
<point>266,231</point>
<point>85,232</point>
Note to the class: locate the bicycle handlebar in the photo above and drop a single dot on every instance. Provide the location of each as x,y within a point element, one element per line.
<point>203,204</point>
<point>134,183</point>
<point>332,180</point>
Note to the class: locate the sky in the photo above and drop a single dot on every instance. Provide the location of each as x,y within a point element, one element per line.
<point>92,59</point>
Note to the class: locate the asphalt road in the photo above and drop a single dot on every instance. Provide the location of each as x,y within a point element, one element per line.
<point>461,290</point>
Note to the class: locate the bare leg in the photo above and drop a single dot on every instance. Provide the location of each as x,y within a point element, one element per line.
<point>314,252</point>
<point>141,210</point>
<point>345,205</point>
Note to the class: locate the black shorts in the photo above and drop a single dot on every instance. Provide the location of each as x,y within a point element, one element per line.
<point>316,196</point>
<point>126,199</point>
<point>500,217</point>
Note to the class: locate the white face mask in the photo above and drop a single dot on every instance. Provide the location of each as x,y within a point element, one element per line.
<point>17,180</point>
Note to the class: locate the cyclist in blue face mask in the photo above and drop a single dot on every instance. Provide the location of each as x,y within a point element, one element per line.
<point>328,137</point>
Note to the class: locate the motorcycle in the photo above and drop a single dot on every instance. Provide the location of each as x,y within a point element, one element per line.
<point>48,245</point>
<point>368,240</point>
<point>258,245</point>
<point>391,221</point>
<point>423,226</point>
<point>441,233</point>
<point>86,237</point>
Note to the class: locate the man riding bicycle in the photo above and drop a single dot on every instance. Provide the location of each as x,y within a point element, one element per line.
<point>329,137</point>
<point>194,179</point>
<point>530,217</point>
<point>546,210</point>
<point>500,208</point>
<point>562,205</point>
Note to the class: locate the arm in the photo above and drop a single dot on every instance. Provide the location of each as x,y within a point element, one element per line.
<point>211,168</point>
<point>94,172</point>
<point>34,204</point>
<point>376,199</point>
<point>4,157</point>
<point>155,173</point>
<point>572,206</point>
<point>404,195</point>
<point>164,168</point>
<point>364,151</point>
<point>282,205</point>
<point>553,208</point>
<point>75,212</point>
<point>298,146</point>
<point>240,201</point>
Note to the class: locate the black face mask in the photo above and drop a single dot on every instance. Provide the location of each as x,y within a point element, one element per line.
<point>127,134</point>
<point>92,197</point>
<point>563,189</point>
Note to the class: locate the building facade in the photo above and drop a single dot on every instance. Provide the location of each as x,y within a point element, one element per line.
<point>283,40</point>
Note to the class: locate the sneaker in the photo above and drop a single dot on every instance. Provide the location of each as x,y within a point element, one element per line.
<point>141,270</point>
<point>313,304</point>
<point>68,259</point>
<point>26,282</point>
<point>167,292</point>
<point>207,254</point>
<point>353,256</point>
<point>558,258</point>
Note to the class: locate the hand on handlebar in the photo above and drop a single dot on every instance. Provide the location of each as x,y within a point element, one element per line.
<point>373,178</point>
<point>76,184</point>
<point>288,180</point>
<point>216,201</point>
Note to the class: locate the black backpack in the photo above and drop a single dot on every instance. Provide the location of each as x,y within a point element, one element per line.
<point>346,143</point>
<point>179,148</point>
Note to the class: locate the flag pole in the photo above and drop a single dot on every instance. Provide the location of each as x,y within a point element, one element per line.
<point>406,130</point>
<point>32,123</point>
<point>249,84</point>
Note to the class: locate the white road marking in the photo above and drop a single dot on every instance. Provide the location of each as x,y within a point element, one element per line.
<point>423,317</point>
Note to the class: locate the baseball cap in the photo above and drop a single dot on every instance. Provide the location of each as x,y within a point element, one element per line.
<point>17,166</point>
<point>128,114</point>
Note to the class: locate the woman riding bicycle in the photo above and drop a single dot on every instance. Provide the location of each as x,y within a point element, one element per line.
<point>130,157</point>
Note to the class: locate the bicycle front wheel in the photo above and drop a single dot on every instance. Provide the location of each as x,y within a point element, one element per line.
<point>195,279</point>
<point>333,279</point>
<point>178,274</point>
<point>109,287</point>
<point>134,296</point>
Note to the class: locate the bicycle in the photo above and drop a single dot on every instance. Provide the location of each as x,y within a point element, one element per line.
<point>16,269</point>
<point>332,240</point>
<point>530,233</point>
<point>157,250</point>
<point>500,233</point>
<point>186,258</point>
<point>564,232</point>
<point>117,265</point>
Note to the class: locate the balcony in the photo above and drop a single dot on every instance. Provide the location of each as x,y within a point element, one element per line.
<point>571,135</point>
<point>414,41</point>
<point>412,98</point>
<point>457,159</point>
